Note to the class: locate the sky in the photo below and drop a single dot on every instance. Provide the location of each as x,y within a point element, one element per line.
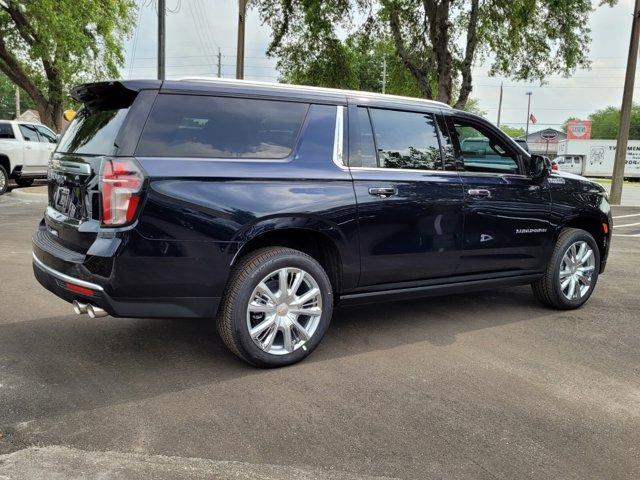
<point>198,29</point>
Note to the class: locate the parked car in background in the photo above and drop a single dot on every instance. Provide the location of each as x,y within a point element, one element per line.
<point>25,149</point>
<point>264,206</point>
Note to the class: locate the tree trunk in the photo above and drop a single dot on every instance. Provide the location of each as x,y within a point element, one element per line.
<point>438,18</point>
<point>469,54</point>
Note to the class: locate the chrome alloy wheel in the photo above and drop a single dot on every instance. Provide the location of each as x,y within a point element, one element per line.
<point>576,269</point>
<point>3,180</point>
<point>284,311</point>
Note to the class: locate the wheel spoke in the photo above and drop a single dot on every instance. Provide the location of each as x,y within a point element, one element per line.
<point>261,308</point>
<point>300,301</point>
<point>565,282</point>
<point>581,251</point>
<point>268,341</point>
<point>264,289</point>
<point>590,268</point>
<point>584,279</point>
<point>302,332</point>
<point>312,311</point>
<point>564,274</point>
<point>297,281</point>
<point>586,256</point>
<point>572,288</point>
<point>262,326</point>
<point>283,281</point>
<point>288,343</point>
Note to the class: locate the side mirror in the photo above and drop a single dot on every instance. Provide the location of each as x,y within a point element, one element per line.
<point>540,166</point>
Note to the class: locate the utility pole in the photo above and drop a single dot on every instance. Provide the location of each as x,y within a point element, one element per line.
<point>384,73</point>
<point>500,105</point>
<point>18,112</point>
<point>161,38</point>
<point>529,111</point>
<point>242,13</point>
<point>625,111</point>
<point>219,63</point>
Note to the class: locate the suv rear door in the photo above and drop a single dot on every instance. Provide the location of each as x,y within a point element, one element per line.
<point>410,206</point>
<point>506,216</point>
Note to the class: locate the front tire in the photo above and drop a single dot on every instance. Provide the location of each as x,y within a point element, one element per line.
<point>572,272</point>
<point>277,307</point>
<point>24,182</point>
<point>4,180</point>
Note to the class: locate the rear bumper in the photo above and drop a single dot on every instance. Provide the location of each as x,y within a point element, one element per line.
<point>177,307</point>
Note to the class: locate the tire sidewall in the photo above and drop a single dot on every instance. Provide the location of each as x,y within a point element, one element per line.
<point>576,236</point>
<point>240,332</point>
<point>4,173</point>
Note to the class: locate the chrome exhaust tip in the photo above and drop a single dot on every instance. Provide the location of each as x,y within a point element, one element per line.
<point>79,307</point>
<point>95,312</point>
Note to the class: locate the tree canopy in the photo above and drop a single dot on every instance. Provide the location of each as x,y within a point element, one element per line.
<point>8,98</point>
<point>436,42</point>
<point>513,132</point>
<point>48,45</point>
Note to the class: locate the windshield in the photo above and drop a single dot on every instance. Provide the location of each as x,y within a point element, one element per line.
<point>93,132</point>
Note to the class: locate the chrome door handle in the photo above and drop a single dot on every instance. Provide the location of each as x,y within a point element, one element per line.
<point>383,192</point>
<point>479,192</point>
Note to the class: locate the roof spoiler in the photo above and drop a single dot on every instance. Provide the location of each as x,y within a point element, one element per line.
<point>112,94</point>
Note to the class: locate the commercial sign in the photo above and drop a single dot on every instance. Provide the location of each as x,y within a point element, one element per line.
<point>578,129</point>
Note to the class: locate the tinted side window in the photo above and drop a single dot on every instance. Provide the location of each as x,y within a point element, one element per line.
<point>93,132</point>
<point>362,149</point>
<point>29,133</point>
<point>481,151</point>
<point>46,135</point>
<point>199,126</point>
<point>406,140</point>
<point>6,131</point>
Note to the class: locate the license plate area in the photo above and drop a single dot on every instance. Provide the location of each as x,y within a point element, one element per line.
<point>62,199</point>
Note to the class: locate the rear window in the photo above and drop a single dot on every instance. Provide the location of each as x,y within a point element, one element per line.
<point>93,132</point>
<point>221,127</point>
<point>6,131</point>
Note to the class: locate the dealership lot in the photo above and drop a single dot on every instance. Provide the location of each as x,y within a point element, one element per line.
<point>483,385</point>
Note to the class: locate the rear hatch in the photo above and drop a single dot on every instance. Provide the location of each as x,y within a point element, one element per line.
<point>73,214</point>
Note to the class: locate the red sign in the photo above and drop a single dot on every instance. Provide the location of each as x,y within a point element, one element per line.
<point>579,130</point>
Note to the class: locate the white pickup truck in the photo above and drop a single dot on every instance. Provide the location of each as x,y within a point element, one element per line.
<point>25,149</point>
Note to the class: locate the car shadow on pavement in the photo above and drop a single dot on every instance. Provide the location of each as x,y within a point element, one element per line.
<point>58,365</point>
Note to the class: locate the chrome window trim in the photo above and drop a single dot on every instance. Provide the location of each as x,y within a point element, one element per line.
<point>338,138</point>
<point>63,277</point>
<point>408,170</point>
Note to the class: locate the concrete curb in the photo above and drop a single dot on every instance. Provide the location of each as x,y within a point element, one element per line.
<point>29,195</point>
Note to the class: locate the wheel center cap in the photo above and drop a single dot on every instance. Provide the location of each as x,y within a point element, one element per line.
<point>282,309</point>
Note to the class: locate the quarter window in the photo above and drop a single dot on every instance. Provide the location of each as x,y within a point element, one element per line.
<point>362,149</point>
<point>482,152</point>
<point>219,127</point>
<point>407,140</point>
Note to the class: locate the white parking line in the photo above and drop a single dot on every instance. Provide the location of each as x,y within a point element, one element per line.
<point>623,235</point>
<point>627,225</point>
<point>627,216</point>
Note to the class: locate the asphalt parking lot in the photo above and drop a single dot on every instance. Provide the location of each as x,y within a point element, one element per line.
<point>478,386</point>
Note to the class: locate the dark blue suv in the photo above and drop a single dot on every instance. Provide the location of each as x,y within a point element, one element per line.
<point>264,206</point>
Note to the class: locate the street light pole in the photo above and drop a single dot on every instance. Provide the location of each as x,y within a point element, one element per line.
<point>161,38</point>
<point>625,111</point>
<point>528,112</point>
<point>242,15</point>
<point>500,105</point>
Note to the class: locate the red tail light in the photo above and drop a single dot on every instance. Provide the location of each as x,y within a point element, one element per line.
<point>121,182</point>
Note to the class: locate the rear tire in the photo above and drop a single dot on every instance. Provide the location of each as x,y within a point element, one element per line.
<point>277,307</point>
<point>24,182</point>
<point>572,272</point>
<point>4,180</point>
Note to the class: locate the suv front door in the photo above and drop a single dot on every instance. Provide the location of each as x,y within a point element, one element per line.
<point>506,215</point>
<point>409,206</point>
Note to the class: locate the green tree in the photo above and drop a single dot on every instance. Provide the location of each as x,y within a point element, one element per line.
<point>8,99</point>
<point>438,41</point>
<point>513,132</point>
<point>48,45</point>
<point>606,123</point>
